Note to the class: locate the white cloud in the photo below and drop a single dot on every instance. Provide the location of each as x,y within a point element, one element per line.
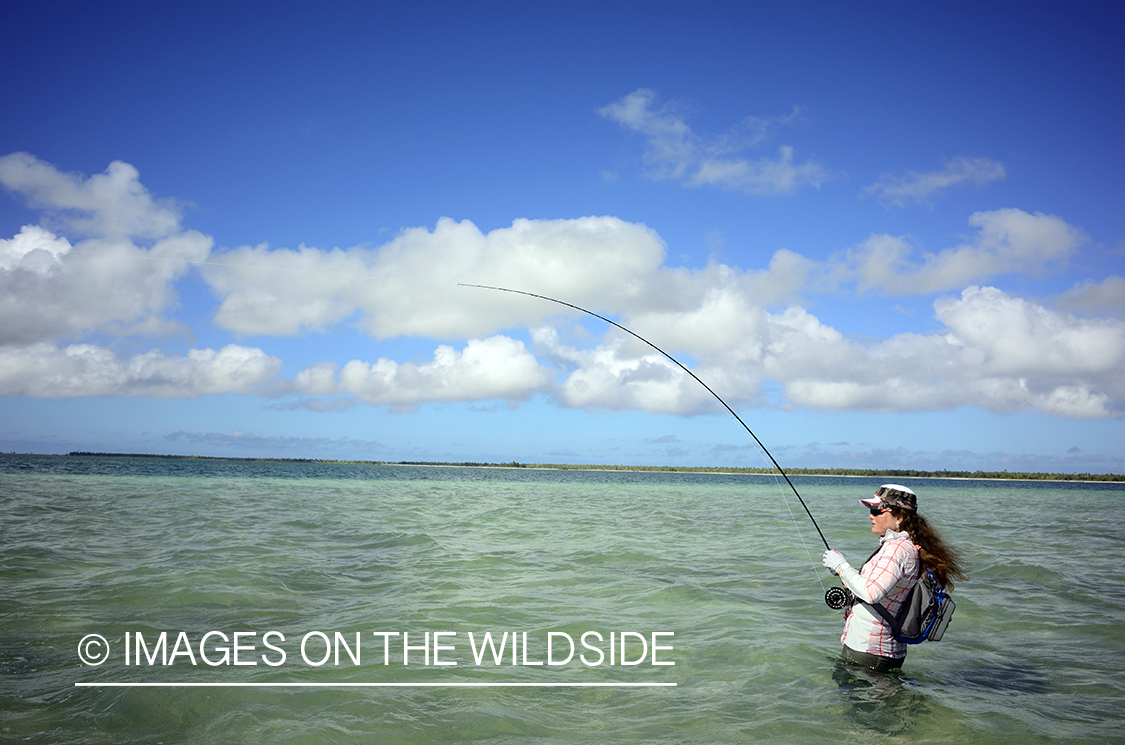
<point>36,249</point>
<point>920,187</point>
<point>1019,338</point>
<point>105,284</point>
<point>50,288</point>
<point>623,375</point>
<point>1008,241</point>
<point>409,286</point>
<point>674,152</point>
<point>494,368</point>
<point>731,345</point>
<point>46,371</point>
<point>997,352</point>
<point>112,204</point>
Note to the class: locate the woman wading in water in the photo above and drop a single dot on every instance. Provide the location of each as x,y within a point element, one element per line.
<point>908,545</point>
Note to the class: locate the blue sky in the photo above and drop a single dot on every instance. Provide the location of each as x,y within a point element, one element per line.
<point>889,237</point>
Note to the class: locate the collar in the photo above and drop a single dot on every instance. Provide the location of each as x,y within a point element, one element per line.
<point>891,535</point>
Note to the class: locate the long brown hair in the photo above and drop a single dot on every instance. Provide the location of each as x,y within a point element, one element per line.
<point>936,555</point>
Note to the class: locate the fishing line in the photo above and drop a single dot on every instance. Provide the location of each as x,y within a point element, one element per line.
<point>697,379</point>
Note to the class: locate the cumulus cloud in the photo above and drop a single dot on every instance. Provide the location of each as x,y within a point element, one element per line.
<point>674,152</point>
<point>102,284</point>
<point>921,187</point>
<point>715,318</point>
<point>50,287</point>
<point>494,368</point>
<point>1007,241</point>
<point>1019,338</point>
<point>497,367</point>
<point>46,371</point>
<point>998,352</point>
<point>622,375</point>
<point>112,204</point>
<point>734,348</point>
<point>409,286</point>
<point>38,247</point>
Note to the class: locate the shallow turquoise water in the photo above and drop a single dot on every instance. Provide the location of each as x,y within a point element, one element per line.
<point>116,546</point>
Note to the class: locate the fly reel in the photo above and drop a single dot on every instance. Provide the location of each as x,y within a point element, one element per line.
<point>837,597</point>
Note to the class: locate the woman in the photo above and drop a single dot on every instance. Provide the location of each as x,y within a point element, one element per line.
<point>908,545</point>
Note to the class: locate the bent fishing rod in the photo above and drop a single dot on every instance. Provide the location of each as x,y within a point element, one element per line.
<point>689,372</point>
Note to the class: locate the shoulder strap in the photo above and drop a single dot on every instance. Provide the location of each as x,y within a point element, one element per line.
<point>896,628</point>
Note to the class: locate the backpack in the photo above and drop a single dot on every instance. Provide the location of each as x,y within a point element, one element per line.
<point>925,614</point>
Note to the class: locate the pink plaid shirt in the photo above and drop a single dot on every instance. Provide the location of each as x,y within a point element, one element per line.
<point>889,575</point>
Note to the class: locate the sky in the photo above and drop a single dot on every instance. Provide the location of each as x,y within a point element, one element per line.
<point>887,236</point>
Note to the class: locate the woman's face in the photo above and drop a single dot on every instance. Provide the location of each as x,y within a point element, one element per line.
<point>883,522</point>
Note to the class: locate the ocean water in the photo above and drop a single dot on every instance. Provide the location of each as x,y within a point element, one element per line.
<point>720,573</point>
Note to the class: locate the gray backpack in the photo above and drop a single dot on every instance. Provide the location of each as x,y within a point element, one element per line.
<point>925,614</point>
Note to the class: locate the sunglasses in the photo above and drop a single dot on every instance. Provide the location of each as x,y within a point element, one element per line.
<point>876,511</point>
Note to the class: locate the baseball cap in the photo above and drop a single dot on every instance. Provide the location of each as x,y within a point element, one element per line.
<point>893,495</point>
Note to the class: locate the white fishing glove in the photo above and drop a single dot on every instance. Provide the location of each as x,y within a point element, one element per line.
<point>838,565</point>
<point>833,560</point>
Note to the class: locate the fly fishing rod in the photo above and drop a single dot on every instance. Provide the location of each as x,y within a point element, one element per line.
<point>689,372</point>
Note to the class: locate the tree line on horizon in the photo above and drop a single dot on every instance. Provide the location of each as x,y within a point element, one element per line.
<point>868,472</point>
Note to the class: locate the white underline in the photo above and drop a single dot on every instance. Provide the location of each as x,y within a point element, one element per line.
<point>375,685</point>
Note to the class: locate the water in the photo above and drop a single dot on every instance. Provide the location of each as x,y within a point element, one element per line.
<point>115,546</point>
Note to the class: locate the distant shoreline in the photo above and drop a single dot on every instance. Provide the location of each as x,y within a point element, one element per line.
<point>838,472</point>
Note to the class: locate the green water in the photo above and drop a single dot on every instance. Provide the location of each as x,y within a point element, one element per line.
<point>112,546</point>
